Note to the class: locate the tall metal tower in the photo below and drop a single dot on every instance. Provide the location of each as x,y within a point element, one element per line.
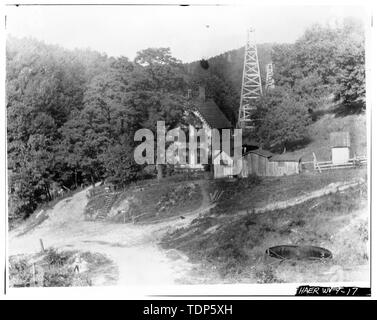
<point>270,83</point>
<point>251,83</point>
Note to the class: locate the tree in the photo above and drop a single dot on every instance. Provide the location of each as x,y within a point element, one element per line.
<point>350,62</point>
<point>329,59</point>
<point>157,90</point>
<point>119,162</point>
<point>44,88</point>
<point>282,121</point>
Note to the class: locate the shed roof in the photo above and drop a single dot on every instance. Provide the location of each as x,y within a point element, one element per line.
<point>286,157</point>
<point>261,152</point>
<point>212,114</point>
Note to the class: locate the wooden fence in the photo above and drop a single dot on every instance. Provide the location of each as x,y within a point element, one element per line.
<point>355,162</point>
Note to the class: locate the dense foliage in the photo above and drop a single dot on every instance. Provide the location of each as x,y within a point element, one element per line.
<point>72,115</point>
<point>326,65</point>
<point>325,60</point>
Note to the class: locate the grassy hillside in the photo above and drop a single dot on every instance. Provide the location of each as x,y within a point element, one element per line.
<point>148,201</point>
<point>254,192</point>
<point>231,248</point>
<point>332,120</point>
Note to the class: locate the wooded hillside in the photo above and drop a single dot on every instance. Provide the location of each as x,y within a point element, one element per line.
<point>72,115</point>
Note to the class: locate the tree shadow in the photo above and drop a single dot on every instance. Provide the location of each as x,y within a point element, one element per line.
<point>317,114</point>
<point>291,146</point>
<point>347,109</point>
<point>298,144</point>
<point>340,110</point>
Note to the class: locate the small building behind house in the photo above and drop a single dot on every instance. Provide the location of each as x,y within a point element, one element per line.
<point>284,165</point>
<point>255,162</point>
<point>222,165</point>
<point>340,147</point>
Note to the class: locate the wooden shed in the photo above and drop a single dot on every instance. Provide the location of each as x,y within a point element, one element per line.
<point>222,165</point>
<point>256,162</point>
<point>340,147</point>
<point>284,165</point>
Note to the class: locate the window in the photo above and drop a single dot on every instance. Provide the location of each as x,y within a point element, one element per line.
<point>224,162</point>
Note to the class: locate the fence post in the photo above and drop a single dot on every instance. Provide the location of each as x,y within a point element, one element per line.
<point>315,163</point>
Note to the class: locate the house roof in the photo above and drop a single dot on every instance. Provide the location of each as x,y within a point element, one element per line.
<point>261,152</point>
<point>223,155</point>
<point>212,114</point>
<point>286,157</point>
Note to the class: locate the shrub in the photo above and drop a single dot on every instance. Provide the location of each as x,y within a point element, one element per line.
<point>266,274</point>
<point>20,272</point>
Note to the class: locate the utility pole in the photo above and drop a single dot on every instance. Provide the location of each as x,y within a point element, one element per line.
<point>251,83</point>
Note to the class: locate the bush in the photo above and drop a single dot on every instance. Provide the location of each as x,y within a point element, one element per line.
<point>54,269</point>
<point>54,258</point>
<point>266,274</point>
<point>19,273</point>
<point>58,278</point>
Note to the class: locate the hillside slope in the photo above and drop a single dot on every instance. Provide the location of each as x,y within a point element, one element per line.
<point>230,242</point>
<point>126,246</point>
<point>222,242</point>
<point>319,135</point>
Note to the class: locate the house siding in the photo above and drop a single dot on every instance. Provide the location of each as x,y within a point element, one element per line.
<point>264,166</point>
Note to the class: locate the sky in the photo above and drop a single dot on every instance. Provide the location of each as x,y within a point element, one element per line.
<point>192,32</point>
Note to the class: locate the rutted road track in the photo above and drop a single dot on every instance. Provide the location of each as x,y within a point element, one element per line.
<point>133,248</point>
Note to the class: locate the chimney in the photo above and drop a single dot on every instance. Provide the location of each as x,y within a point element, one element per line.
<point>202,93</point>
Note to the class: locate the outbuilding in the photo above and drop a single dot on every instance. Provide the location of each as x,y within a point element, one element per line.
<point>256,162</point>
<point>223,165</point>
<point>340,147</point>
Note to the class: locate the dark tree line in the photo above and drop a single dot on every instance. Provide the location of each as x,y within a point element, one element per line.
<point>72,115</point>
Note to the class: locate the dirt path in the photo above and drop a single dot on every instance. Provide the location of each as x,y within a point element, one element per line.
<point>133,248</point>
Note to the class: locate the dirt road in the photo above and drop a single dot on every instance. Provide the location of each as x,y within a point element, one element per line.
<point>133,248</point>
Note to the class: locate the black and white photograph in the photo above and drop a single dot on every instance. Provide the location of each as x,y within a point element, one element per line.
<point>209,149</point>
